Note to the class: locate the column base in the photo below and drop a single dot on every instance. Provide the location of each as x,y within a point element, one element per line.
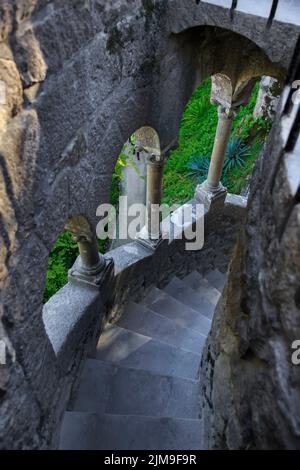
<point>93,277</point>
<point>211,197</point>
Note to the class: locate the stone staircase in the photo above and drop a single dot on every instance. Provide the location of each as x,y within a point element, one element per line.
<point>141,390</point>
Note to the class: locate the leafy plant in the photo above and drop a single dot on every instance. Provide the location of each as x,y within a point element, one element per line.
<point>236,153</point>
<point>199,167</point>
<point>237,177</point>
<point>60,261</point>
<point>196,137</point>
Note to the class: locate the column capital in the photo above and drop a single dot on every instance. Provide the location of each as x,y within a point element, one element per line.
<point>156,160</point>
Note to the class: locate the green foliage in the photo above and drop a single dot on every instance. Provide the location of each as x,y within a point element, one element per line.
<point>199,166</point>
<point>236,181</point>
<point>196,138</point>
<point>236,153</point>
<point>60,261</point>
<point>246,126</point>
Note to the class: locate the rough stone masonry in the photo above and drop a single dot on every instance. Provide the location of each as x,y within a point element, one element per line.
<point>251,386</point>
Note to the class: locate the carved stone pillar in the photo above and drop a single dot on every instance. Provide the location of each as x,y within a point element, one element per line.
<point>212,192</point>
<point>90,264</point>
<point>150,235</point>
<point>225,118</point>
<point>154,195</point>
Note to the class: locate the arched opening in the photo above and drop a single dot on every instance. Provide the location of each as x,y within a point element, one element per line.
<point>225,68</point>
<point>188,165</point>
<point>130,179</point>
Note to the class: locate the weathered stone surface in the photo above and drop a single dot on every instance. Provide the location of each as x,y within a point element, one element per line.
<point>251,387</point>
<point>268,98</point>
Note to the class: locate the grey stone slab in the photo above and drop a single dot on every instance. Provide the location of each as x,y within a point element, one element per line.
<point>123,347</point>
<point>79,431</point>
<point>166,305</point>
<point>128,255</point>
<point>203,287</point>
<point>106,388</point>
<point>216,279</point>
<point>88,431</point>
<point>186,295</point>
<point>140,319</point>
<point>66,311</point>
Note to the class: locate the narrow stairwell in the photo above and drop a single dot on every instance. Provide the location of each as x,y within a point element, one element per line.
<point>141,390</point>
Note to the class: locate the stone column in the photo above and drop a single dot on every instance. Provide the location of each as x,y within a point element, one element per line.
<point>225,118</point>
<point>91,261</point>
<point>90,264</point>
<point>154,195</point>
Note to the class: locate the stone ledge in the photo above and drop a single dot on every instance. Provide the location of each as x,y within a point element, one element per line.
<point>71,307</point>
<point>235,206</point>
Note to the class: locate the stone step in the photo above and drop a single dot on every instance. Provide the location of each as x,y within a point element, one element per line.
<point>188,296</point>
<point>89,431</point>
<point>216,279</point>
<point>142,320</point>
<point>169,307</point>
<point>203,287</point>
<point>108,389</point>
<point>123,347</point>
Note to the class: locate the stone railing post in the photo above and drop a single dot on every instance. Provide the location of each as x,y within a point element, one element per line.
<point>225,118</point>
<point>154,195</point>
<point>91,261</point>
<point>150,235</point>
<point>90,265</point>
<point>212,192</point>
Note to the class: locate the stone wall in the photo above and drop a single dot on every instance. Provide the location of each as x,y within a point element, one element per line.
<point>251,389</point>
